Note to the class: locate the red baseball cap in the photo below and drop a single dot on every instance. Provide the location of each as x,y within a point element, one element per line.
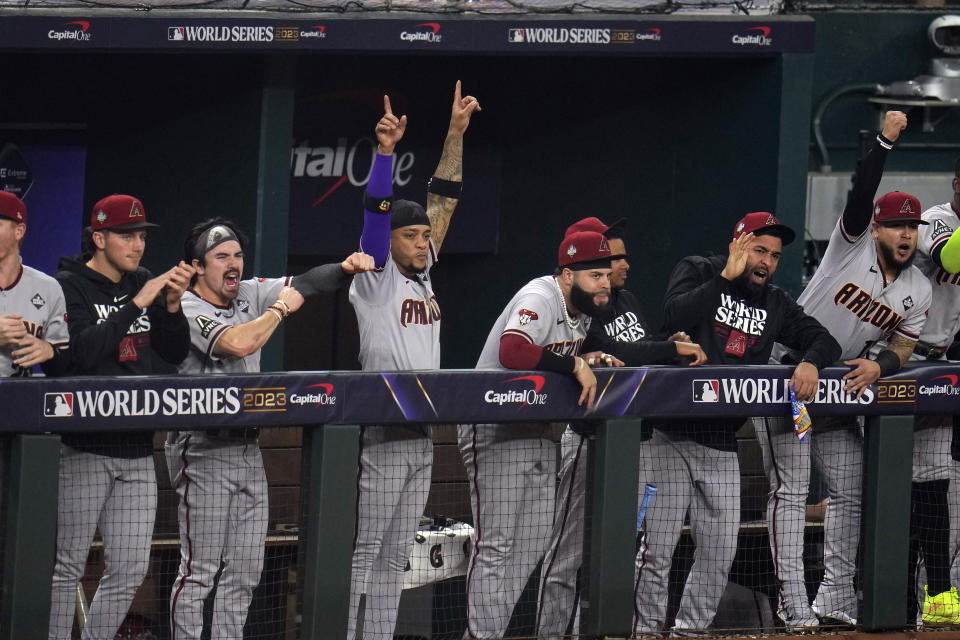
<point>761,223</point>
<point>897,206</point>
<point>120,213</point>
<point>584,250</point>
<point>12,207</point>
<point>596,225</point>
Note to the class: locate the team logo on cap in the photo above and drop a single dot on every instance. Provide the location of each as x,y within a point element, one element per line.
<point>101,216</point>
<point>37,301</point>
<point>907,208</point>
<point>771,220</point>
<point>571,251</point>
<point>135,210</point>
<point>741,227</point>
<point>526,316</point>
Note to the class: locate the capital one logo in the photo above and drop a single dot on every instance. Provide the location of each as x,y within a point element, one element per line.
<point>527,394</point>
<point>948,387</point>
<point>429,33</point>
<point>322,396</point>
<point>756,36</point>
<point>79,32</point>
<point>652,33</point>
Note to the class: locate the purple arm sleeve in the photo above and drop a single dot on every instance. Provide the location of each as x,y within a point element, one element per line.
<point>375,238</point>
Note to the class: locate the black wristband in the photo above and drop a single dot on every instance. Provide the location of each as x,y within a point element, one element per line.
<point>377,205</point>
<point>550,361</point>
<point>889,362</point>
<point>445,188</point>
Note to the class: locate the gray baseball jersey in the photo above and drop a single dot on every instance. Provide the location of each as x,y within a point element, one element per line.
<point>398,317</point>
<point>38,298</point>
<point>536,313</point>
<point>209,321</point>
<point>219,477</point>
<point>944,319</point>
<point>851,297</point>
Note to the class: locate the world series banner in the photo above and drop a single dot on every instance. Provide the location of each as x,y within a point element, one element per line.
<point>198,402</point>
<point>425,33</point>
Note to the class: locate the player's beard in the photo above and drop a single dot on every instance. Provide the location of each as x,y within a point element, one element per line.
<point>748,286</point>
<point>583,302</point>
<point>890,259</point>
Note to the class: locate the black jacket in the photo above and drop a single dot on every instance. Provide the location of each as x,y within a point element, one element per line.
<point>625,334</point>
<point>111,336</point>
<point>735,327</point>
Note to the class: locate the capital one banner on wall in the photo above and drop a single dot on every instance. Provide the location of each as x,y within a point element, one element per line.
<point>333,151</point>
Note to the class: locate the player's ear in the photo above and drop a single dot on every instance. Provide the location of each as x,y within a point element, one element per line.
<point>99,239</point>
<point>196,265</point>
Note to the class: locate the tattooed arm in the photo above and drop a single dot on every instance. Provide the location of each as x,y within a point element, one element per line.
<point>450,168</point>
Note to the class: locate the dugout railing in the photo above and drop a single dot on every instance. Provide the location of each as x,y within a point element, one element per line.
<point>331,405</point>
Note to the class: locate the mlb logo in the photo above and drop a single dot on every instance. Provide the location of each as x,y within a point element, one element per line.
<point>515,35</point>
<point>175,33</point>
<point>706,391</point>
<point>57,405</point>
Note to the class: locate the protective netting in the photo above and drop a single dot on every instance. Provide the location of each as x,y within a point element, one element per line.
<point>195,541</point>
<point>483,527</point>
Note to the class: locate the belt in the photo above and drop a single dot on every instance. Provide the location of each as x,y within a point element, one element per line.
<point>238,433</point>
<point>929,351</point>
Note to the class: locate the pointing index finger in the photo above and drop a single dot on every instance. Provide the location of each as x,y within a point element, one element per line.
<point>386,105</point>
<point>456,93</point>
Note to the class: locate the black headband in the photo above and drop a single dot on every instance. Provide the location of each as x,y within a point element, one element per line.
<point>213,237</point>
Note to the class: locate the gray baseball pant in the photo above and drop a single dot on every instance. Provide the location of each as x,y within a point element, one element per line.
<point>223,518</point>
<point>393,486</point>
<point>705,481</point>
<point>118,496</point>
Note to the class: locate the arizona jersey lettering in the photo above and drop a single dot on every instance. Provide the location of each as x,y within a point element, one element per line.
<point>398,318</point>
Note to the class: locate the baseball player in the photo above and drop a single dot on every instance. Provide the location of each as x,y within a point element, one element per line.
<point>512,468</point>
<point>624,334</point>
<point>33,324</point>
<point>864,290</point>
<point>730,308</point>
<point>118,314</point>
<point>399,320</point>
<point>938,257</point>
<point>219,474</point>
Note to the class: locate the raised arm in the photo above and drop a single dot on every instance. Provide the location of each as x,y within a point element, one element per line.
<point>859,208</point>
<point>443,191</point>
<point>375,238</point>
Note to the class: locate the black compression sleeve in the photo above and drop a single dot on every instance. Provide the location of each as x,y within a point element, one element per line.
<point>549,361</point>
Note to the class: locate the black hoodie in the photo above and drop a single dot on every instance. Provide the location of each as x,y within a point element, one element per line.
<point>111,336</point>
<point>735,326</point>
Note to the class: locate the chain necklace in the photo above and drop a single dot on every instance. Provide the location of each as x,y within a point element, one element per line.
<point>573,324</point>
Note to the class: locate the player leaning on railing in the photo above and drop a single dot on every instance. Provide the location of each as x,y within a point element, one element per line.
<point>728,306</point>
<point>118,315</point>
<point>863,291</point>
